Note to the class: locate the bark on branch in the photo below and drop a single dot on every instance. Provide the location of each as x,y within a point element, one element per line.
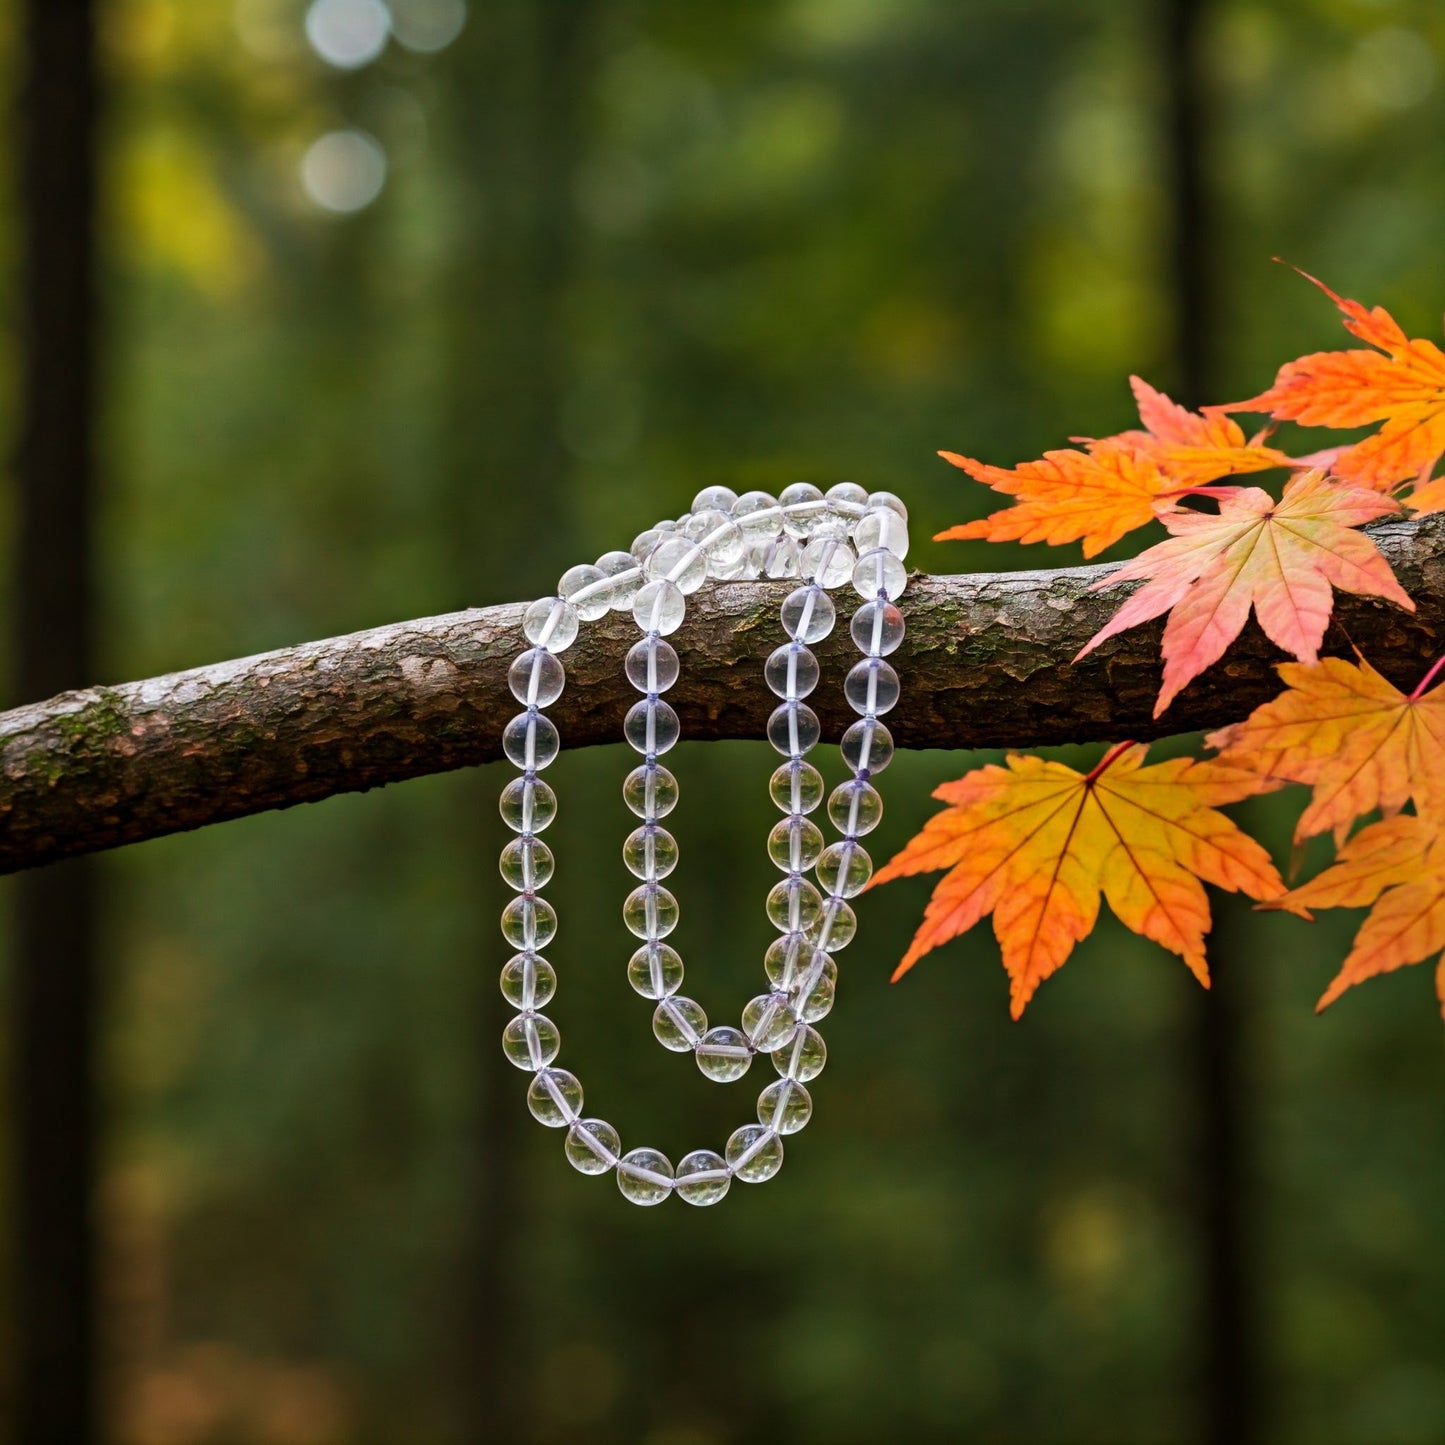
<point>986,663</point>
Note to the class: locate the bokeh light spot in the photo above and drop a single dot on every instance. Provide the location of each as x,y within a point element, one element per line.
<point>427,26</point>
<point>1392,68</point>
<point>343,171</point>
<point>348,33</point>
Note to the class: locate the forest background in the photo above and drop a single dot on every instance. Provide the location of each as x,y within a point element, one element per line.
<point>392,338</point>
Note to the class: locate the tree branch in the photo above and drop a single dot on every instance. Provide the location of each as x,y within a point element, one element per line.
<point>986,663</point>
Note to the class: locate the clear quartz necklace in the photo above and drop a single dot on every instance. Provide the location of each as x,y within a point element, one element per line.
<point>825,541</point>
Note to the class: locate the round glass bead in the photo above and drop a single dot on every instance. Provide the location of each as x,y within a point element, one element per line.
<point>834,927</point>
<point>871,686</point>
<point>652,665</point>
<point>555,1098</point>
<point>703,1177</point>
<point>579,586</point>
<point>778,559</point>
<point>723,1054</point>
<point>650,853</point>
<point>655,971</point>
<point>855,808</point>
<point>867,746</point>
<point>754,1153</point>
<point>794,905</point>
<point>679,1023</point>
<point>529,922</point>
<point>769,1021</point>
<point>848,492</point>
<point>887,499</point>
<point>536,677</point>
<point>816,987</point>
<point>650,912</point>
<point>881,527</point>
<point>879,571</point>
<point>722,498</point>
<point>680,561</point>
<point>720,538</point>
<point>659,607</point>
<point>531,1041</point>
<point>844,869</point>
<point>808,614</point>
<point>785,1106</point>
<point>791,671</point>
<point>827,562</point>
<point>550,622</point>
<point>794,729</point>
<point>804,1057</point>
<point>644,542</point>
<point>627,575</point>
<point>531,740</point>
<point>526,864</point>
<point>796,787</point>
<point>795,843</point>
<point>644,1176</point>
<point>528,981</point>
<point>757,514</point>
<point>527,805</point>
<point>650,791</point>
<point>592,1146</point>
<point>877,628</point>
<point>651,726</point>
<point>806,508</point>
<point>786,958</point>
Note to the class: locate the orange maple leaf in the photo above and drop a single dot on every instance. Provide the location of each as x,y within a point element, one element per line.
<point>1035,843</point>
<point>1280,558</point>
<point>1352,735</point>
<point>1404,388</point>
<point>1398,865</point>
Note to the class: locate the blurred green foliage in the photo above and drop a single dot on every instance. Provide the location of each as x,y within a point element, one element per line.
<point>626,248</point>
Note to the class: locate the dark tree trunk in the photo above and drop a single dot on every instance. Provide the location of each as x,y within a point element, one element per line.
<point>54,1013</point>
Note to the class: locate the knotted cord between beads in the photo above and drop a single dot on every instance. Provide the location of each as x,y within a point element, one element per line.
<point>802,533</point>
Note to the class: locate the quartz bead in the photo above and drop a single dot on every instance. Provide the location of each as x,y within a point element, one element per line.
<point>681,561</point>
<point>722,499</point>
<point>659,607</point>
<point>531,1041</point>
<point>644,1176</point>
<point>867,746</point>
<point>650,853</point>
<point>536,677</point>
<point>855,808</point>
<point>723,1054</point>
<point>849,493</point>
<point>887,499</point>
<point>794,905</point>
<point>526,864</point>
<point>650,912</point>
<point>703,1177</point>
<point>804,1057</point>
<point>650,791</point>
<point>720,538</point>
<point>652,665</point>
<point>791,671</point>
<point>827,562</point>
<point>555,1098</point>
<point>778,559</point>
<point>834,927</point>
<point>808,614</point>
<point>655,971</point>
<point>528,981</point>
<point>786,958</point>
<point>651,726</point>
<point>754,1153</point>
<point>877,628</point>
<point>785,1106</point>
<point>815,987</point>
<point>879,570</point>
<point>644,543</point>
<point>592,1146</point>
<point>529,922</point>
<point>796,787</point>
<point>550,622</point>
<point>793,729</point>
<point>579,585</point>
<point>794,844</point>
<point>679,1023</point>
<point>871,686</point>
<point>882,527</point>
<point>844,869</point>
<point>805,508</point>
<point>531,740</point>
<point>769,1021</point>
<point>758,515</point>
<point>527,805</point>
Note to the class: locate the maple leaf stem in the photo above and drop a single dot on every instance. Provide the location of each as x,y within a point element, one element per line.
<point>1103,764</point>
<point>1427,679</point>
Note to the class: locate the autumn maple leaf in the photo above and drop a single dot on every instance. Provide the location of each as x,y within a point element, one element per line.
<point>1280,558</point>
<point>1352,735</point>
<point>1398,865</point>
<point>1035,843</point>
<point>1404,388</point>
